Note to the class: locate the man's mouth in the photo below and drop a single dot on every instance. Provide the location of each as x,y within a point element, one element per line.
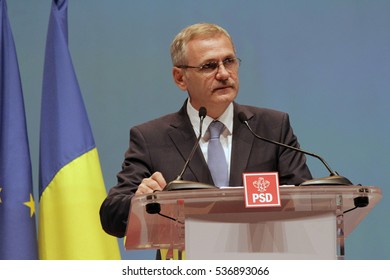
<point>222,88</point>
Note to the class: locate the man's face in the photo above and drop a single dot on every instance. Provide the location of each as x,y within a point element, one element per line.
<point>215,90</point>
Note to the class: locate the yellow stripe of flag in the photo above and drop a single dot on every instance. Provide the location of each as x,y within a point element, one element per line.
<point>69,213</point>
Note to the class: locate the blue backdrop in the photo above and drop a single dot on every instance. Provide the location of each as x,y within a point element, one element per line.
<point>327,63</point>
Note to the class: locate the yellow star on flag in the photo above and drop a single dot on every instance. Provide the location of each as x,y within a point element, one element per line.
<point>31,204</point>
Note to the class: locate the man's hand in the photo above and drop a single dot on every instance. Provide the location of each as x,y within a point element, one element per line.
<point>156,182</point>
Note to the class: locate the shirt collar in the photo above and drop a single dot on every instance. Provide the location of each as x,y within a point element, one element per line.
<point>226,118</point>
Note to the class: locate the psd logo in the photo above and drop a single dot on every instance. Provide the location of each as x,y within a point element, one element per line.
<point>261,189</point>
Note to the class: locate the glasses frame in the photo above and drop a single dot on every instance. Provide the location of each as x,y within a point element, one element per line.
<point>206,69</point>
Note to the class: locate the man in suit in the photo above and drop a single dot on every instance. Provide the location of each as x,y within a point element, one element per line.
<point>206,67</point>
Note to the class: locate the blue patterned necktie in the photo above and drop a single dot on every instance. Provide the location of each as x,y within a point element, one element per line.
<point>216,156</point>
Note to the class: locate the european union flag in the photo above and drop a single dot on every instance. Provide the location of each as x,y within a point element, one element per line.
<point>18,238</point>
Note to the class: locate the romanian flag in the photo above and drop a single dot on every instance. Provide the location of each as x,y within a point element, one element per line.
<point>70,178</point>
<point>18,238</point>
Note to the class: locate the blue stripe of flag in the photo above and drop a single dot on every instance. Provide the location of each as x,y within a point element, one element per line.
<point>65,130</point>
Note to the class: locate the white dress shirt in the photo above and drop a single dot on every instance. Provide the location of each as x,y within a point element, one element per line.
<point>226,136</point>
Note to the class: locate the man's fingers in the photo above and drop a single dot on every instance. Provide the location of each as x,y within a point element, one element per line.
<point>159,178</point>
<point>156,182</point>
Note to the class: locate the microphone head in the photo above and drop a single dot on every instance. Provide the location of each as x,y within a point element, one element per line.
<point>242,117</point>
<point>202,112</point>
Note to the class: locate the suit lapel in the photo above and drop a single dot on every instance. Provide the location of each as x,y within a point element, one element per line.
<point>184,138</point>
<point>241,146</point>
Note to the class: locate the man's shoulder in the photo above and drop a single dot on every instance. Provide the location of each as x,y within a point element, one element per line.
<point>165,123</point>
<point>165,120</point>
<point>259,111</point>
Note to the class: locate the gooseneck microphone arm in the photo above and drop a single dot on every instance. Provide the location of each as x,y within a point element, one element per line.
<point>242,117</point>
<point>202,115</point>
<point>333,179</point>
<point>179,183</point>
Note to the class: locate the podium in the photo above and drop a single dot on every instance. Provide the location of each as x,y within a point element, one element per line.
<point>311,223</point>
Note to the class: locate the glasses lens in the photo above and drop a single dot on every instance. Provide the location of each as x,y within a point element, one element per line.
<point>209,67</point>
<point>231,64</point>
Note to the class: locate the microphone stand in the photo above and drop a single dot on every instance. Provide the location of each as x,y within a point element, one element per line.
<point>179,183</point>
<point>333,179</point>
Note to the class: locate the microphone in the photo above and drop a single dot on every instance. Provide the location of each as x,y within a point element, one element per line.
<point>333,179</point>
<point>179,183</point>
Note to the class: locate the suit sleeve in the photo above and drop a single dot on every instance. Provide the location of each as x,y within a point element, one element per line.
<point>115,208</point>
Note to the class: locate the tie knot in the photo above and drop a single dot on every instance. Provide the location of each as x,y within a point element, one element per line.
<point>216,128</point>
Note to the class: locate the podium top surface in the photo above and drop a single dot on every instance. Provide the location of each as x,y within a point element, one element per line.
<point>144,227</point>
<point>348,193</point>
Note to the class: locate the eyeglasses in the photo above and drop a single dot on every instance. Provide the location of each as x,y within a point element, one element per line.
<point>230,64</point>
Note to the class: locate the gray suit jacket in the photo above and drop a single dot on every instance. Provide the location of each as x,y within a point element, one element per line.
<point>165,143</point>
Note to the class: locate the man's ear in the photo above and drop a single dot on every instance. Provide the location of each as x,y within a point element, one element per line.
<point>178,77</point>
